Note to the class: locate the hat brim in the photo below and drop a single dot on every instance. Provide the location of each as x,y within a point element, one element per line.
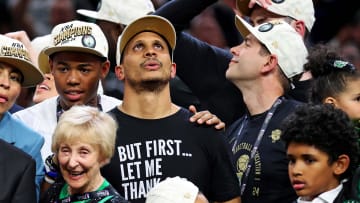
<point>150,23</point>
<point>243,27</point>
<point>32,76</point>
<point>51,50</point>
<point>43,62</point>
<point>88,13</point>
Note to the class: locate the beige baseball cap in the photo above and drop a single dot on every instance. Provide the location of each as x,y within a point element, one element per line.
<point>78,36</point>
<point>175,190</point>
<point>150,23</point>
<point>120,11</point>
<point>13,52</point>
<point>297,9</point>
<point>39,44</point>
<point>280,39</point>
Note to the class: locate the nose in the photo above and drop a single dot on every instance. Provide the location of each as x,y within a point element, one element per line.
<point>150,52</point>
<point>4,80</point>
<point>235,50</point>
<point>72,78</point>
<point>295,169</point>
<point>73,161</point>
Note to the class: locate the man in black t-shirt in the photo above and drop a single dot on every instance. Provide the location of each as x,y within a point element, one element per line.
<point>263,67</point>
<point>155,139</point>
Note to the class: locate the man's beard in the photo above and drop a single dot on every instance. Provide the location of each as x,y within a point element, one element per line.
<point>153,85</point>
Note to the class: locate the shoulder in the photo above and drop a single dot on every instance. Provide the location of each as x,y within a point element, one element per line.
<point>109,103</point>
<point>116,197</point>
<point>40,109</point>
<point>15,155</point>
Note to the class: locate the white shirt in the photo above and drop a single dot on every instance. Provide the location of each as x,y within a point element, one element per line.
<point>326,197</point>
<point>42,118</point>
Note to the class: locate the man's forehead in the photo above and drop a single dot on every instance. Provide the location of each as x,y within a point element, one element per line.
<point>146,34</point>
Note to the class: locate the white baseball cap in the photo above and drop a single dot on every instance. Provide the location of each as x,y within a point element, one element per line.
<point>78,36</point>
<point>14,53</point>
<point>280,39</point>
<point>174,190</point>
<point>120,11</point>
<point>297,9</point>
<point>39,44</point>
<point>152,23</point>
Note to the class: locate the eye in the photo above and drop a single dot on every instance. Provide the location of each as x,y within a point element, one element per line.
<point>138,46</point>
<point>158,46</point>
<point>84,70</point>
<point>291,161</point>
<point>309,161</point>
<point>357,98</point>
<point>64,150</point>
<point>63,69</point>
<point>16,77</point>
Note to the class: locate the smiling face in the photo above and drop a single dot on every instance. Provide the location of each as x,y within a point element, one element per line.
<point>80,164</point>
<point>146,62</point>
<point>10,87</point>
<point>247,60</point>
<point>45,90</point>
<point>77,77</point>
<point>309,170</point>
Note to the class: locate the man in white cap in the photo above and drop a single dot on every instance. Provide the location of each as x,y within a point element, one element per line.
<point>155,139</point>
<point>17,71</point>
<point>175,190</point>
<point>196,59</point>
<point>263,68</point>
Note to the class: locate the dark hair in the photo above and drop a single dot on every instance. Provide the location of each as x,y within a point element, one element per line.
<point>326,128</point>
<point>330,72</point>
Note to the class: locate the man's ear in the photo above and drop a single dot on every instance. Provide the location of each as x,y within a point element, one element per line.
<point>270,64</point>
<point>341,164</point>
<point>173,70</point>
<point>300,27</point>
<point>119,72</point>
<point>105,67</point>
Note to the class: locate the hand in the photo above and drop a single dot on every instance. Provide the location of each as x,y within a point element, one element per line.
<point>23,37</point>
<point>205,117</point>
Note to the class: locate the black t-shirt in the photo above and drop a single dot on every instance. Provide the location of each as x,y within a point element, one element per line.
<point>149,150</point>
<point>268,179</point>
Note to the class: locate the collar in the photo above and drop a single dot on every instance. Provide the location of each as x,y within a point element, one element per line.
<point>326,197</point>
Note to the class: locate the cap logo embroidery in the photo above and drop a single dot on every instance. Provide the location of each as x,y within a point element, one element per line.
<point>278,1</point>
<point>69,33</point>
<point>16,50</point>
<point>88,41</point>
<point>266,27</point>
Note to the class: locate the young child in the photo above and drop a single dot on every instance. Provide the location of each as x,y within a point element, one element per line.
<point>323,152</point>
<point>335,81</point>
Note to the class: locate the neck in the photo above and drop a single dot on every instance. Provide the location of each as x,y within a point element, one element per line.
<point>147,104</point>
<point>93,186</point>
<point>260,97</point>
<point>92,102</point>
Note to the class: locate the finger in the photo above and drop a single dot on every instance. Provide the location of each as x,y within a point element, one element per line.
<point>220,126</point>
<point>197,116</point>
<point>192,109</point>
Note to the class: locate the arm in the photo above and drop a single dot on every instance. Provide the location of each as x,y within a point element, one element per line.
<point>235,200</point>
<point>25,191</point>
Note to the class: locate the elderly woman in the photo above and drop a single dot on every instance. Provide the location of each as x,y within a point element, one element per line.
<point>83,142</point>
